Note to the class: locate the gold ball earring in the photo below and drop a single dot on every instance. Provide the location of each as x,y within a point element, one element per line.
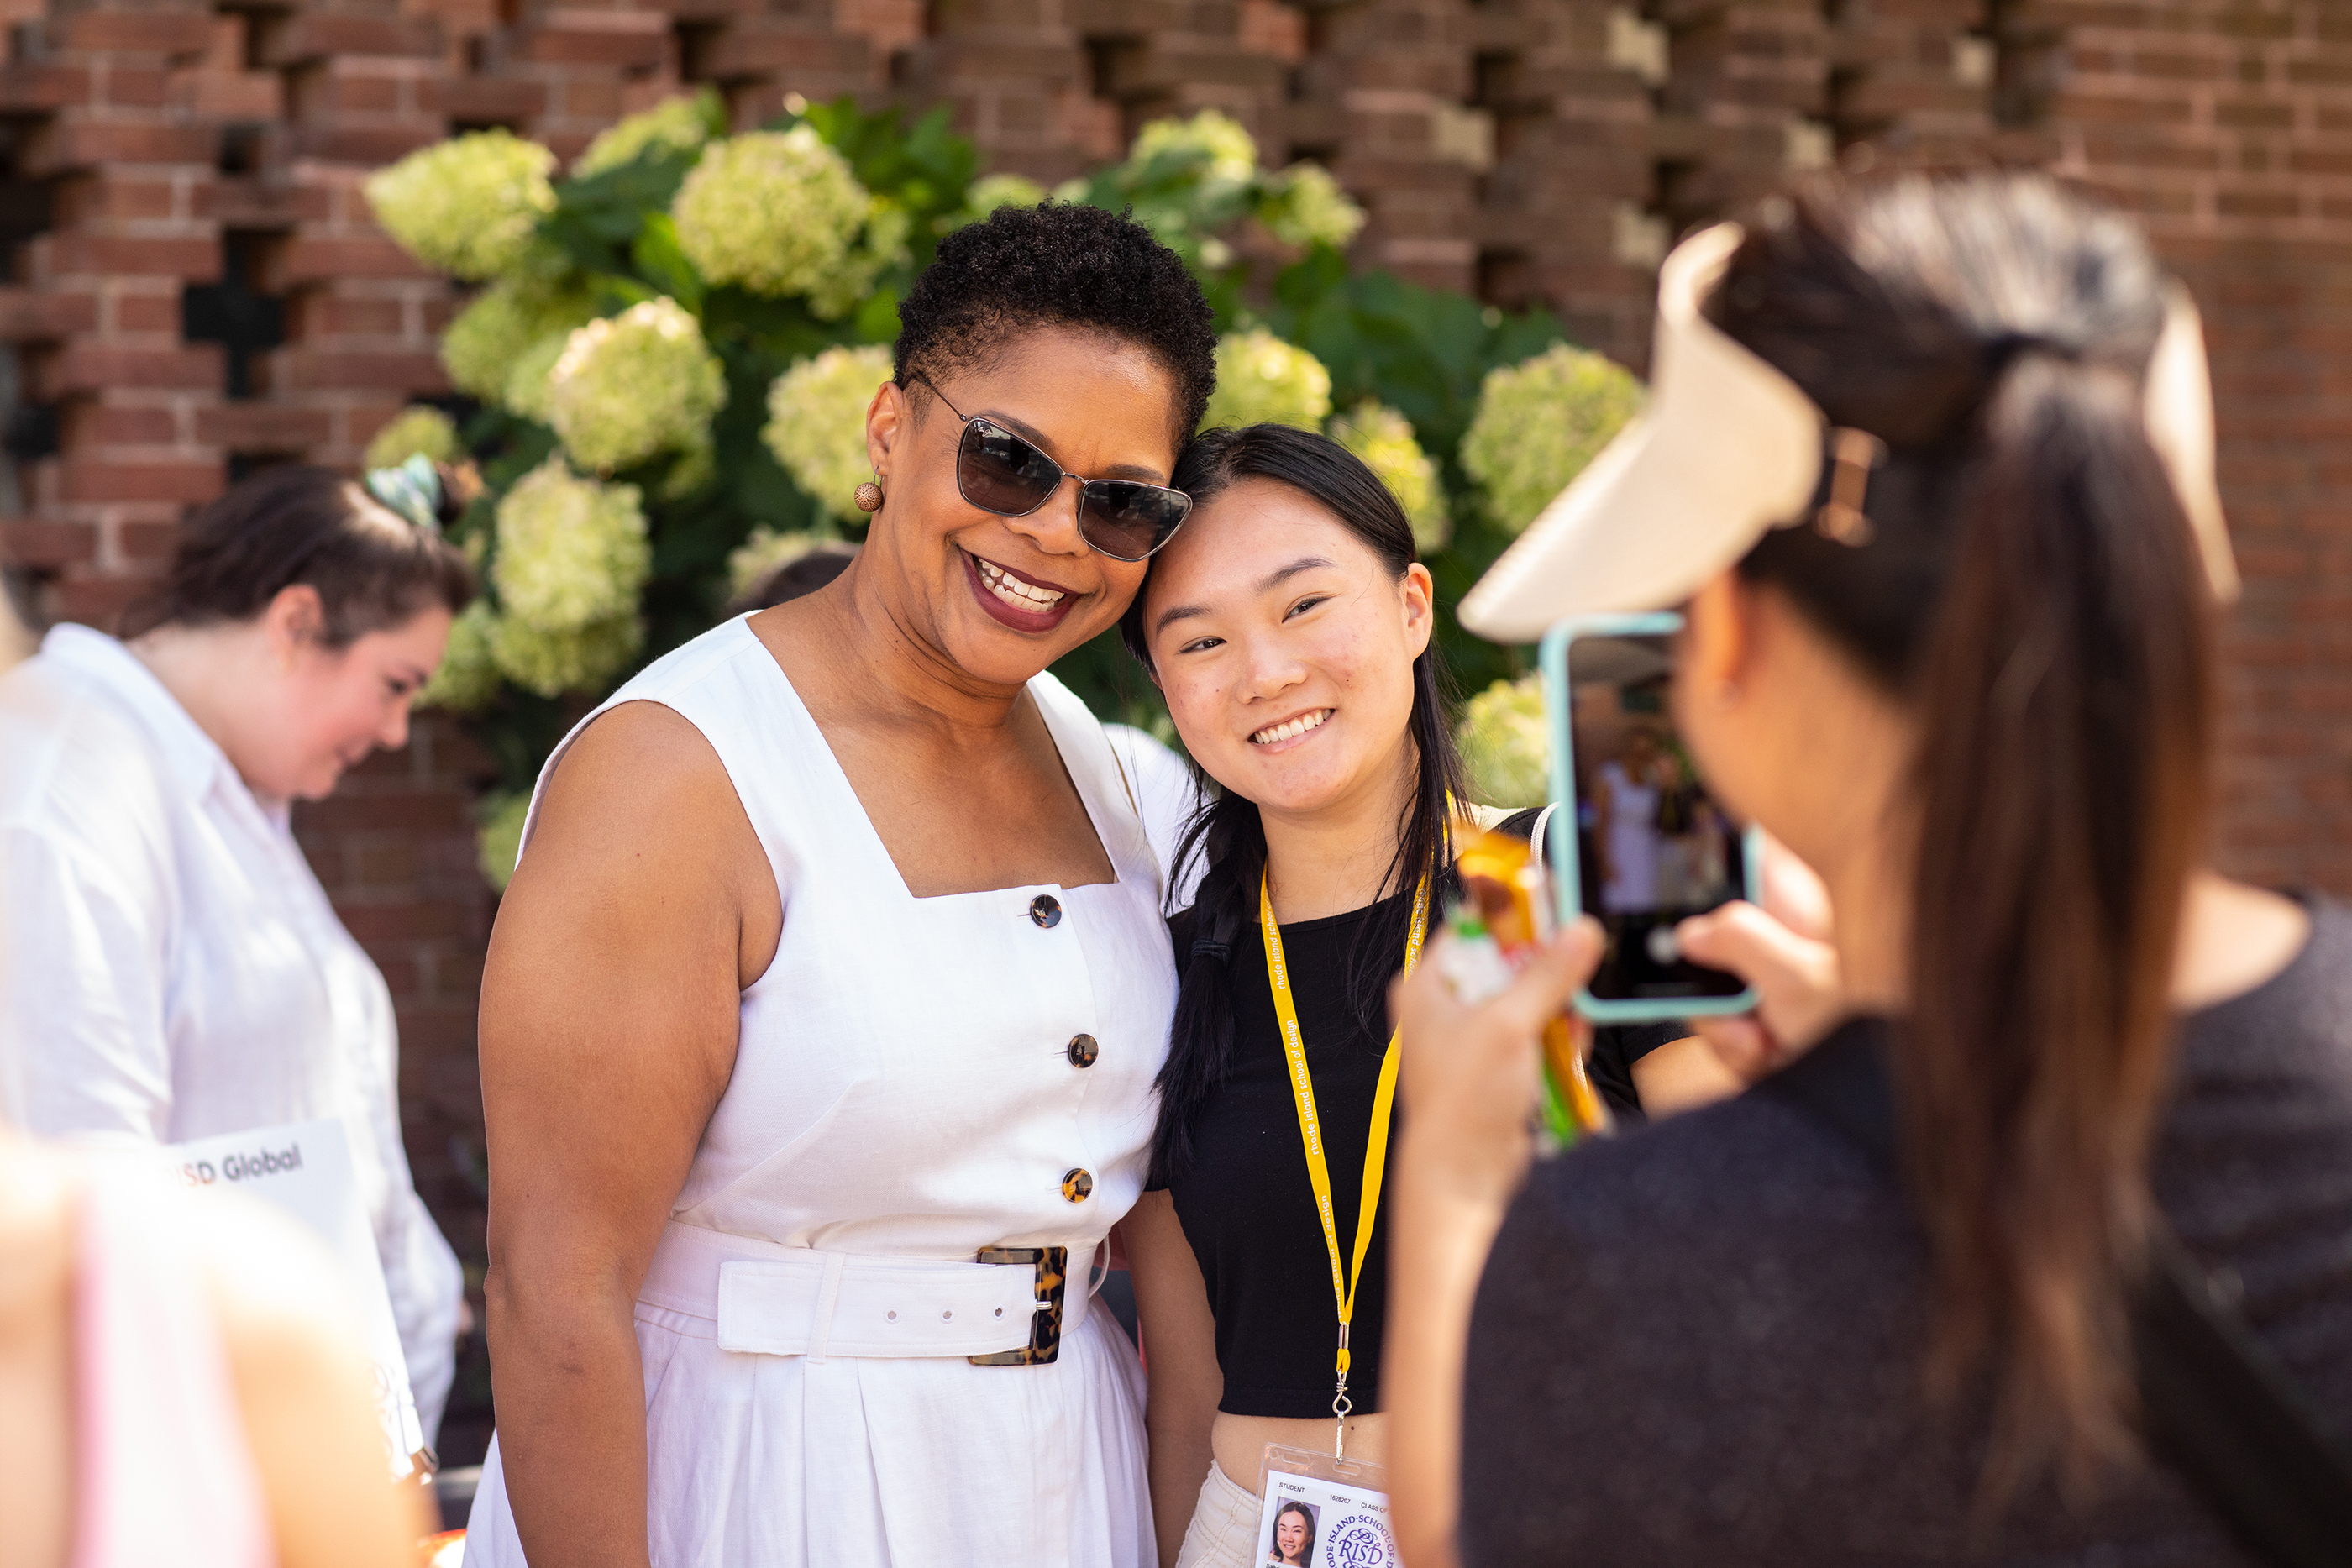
<point>868,497</point>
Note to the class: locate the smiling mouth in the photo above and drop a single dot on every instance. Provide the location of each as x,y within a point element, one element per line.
<point>1016,590</point>
<point>1290,728</point>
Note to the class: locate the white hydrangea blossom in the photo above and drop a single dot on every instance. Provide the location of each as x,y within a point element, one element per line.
<point>526,389</point>
<point>469,676</point>
<point>990,192</point>
<point>553,663</point>
<point>881,246</point>
<point>695,467</point>
<point>632,385</point>
<point>480,347</point>
<point>682,123</point>
<point>1383,438</point>
<point>467,206</point>
<point>1231,152</point>
<point>1538,424</point>
<point>1261,380</point>
<point>1312,207</point>
<point>1507,744</point>
<point>572,553</point>
<point>416,431</point>
<point>817,424</point>
<point>773,211</point>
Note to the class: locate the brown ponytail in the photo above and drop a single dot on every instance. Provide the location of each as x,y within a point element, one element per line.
<point>2036,599</point>
<point>2065,718</point>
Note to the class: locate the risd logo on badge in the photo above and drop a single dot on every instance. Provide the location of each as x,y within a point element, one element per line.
<point>1359,1540</point>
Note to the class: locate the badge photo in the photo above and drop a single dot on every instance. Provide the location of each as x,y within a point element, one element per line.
<point>1314,1522</point>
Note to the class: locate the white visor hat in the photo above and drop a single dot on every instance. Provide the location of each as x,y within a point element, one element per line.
<point>1730,449</point>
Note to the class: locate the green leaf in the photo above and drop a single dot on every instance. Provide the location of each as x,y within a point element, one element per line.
<point>1307,281</point>
<point>616,291</point>
<point>878,319</point>
<point>782,330</point>
<point>658,259</point>
<point>712,107</point>
<point>597,217</point>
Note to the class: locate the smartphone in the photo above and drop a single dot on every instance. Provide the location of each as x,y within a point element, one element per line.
<point>1651,848</point>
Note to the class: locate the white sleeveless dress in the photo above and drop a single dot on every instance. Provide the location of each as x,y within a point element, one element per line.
<point>917,1079</point>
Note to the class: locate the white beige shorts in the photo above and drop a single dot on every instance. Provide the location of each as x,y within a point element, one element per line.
<point>1223,1532</point>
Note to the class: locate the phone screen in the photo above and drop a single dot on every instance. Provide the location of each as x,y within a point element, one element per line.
<point>1652,848</point>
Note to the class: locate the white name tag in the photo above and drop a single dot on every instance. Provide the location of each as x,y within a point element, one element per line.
<point>1320,1521</point>
<point>304,1168</point>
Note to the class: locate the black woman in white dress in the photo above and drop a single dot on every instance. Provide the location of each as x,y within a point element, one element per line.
<point>822,1016</point>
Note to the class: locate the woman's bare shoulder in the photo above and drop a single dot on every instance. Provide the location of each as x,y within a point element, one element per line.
<point>640,776</point>
<point>639,843</point>
<point>2233,937</point>
<point>630,752</point>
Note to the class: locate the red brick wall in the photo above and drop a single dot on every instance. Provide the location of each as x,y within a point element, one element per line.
<point>1525,149</point>
<point>2228,127</point>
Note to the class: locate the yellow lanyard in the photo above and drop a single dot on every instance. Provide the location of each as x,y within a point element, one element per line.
<point>1311,1126</point>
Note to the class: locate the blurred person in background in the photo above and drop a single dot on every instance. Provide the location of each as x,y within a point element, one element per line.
<point>1930,464</point>
<point>1628,791</point>
<point>170,969</point>
<point>144,1330</point>
<point>804,574</point>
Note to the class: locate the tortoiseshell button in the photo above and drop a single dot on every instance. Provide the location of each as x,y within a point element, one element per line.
<point>1078,1186</point>
<point>1046,910</point>
<point>1083,1051</point>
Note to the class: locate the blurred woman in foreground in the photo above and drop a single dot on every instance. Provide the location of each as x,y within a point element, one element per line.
<point>170,969</point>
<point>1930,466</point>
<point>180,1382</point>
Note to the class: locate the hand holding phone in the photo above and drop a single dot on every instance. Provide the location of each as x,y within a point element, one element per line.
<point>1782,949</point>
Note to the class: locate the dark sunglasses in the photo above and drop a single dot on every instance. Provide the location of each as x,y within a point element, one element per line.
<point>998,472</point>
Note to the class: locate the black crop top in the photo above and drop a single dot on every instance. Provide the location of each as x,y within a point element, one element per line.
<point>1244,1202</point>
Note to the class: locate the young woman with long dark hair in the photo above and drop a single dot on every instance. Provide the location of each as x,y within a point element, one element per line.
<point>1929,466</point>
<point>1289,627</point>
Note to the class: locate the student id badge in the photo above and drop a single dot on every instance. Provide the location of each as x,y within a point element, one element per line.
<point>1324,1511</point>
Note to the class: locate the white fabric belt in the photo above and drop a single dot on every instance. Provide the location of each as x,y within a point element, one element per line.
<point>769,1299</point>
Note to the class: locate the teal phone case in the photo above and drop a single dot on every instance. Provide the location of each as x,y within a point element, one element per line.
<point>1566,876</point>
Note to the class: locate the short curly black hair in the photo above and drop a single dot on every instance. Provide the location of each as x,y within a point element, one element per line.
<point>1057,265</point>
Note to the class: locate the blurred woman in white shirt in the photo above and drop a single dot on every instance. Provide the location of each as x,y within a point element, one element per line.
<point>170,967</point>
